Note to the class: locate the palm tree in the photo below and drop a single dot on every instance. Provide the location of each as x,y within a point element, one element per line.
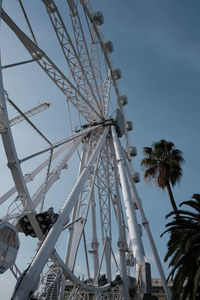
<point>184,251</point>
<point>162,164</point>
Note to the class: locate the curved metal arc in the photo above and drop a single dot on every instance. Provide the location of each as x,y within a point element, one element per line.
<point>69,274</point>
<point>13,161</point>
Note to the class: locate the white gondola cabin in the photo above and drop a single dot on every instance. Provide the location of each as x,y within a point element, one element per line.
<point>9,245</point>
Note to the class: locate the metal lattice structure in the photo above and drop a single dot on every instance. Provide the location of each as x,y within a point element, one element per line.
<point>102,254</point>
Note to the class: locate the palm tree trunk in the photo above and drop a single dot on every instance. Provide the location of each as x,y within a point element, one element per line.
<point>171,197</point>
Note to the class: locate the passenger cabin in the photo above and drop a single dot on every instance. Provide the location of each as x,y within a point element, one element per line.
<point>9,245</point>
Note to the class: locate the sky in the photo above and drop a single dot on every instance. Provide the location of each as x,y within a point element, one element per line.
<point>157,47</point>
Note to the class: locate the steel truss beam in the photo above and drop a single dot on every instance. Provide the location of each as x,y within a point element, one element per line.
<point>104,189</point>
<point>106,93</point>
<point>30,176</point>
<point>74,59</point>
<point>80,211</point>
<point>63,83</point>
<point>29,281</point>
<point>89,61</point>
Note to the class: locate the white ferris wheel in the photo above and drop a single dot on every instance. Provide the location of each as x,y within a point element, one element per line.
<point>69,206</point>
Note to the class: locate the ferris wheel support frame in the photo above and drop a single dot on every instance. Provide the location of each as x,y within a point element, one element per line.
<point>135,237</point>
<point>121,234</point>
<point>30,279</point>
<point>145,223</point>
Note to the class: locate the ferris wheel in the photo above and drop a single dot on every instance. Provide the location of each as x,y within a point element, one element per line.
<point>70,190</point>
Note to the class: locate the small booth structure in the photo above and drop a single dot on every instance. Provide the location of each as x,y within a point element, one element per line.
<point>9,245</point>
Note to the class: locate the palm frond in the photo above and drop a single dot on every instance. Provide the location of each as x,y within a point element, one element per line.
<point>184,250</point>
<point>162,164</point>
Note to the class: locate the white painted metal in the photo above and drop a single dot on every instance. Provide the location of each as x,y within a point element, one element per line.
<point>54,175</point>
<point>29,113</point>
<point>63,83</point>
<point>75,62</point>
<point>76,281</point>
<point>94,244</point>
<point>30,280</point>
<point>89,61</point>
<point>74,137</point>
<point>81,209</point>
<point>135,237</point>
<point>148,231</point>
<point>122,245</point>
<point>69,251</point>
<point>106,93</point>
<point>30,177</point>
<point>13,161</point>
<point>105,189</point>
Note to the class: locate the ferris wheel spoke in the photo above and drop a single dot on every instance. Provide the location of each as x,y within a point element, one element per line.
<point>63,83</point>
<point>87,59</point>
<point>74,137</point>
<point>27,21</point>
<point>53,176</point>
<point>106,93</point>
<point>94,242</point>
<point>73,59</point>
<point>30,176</point>
<point>104,188</point>
<point>25,117</point>
<point>80,211</point>
<point>87,8</point>
<point>94,57</point>
<point>44,191</point>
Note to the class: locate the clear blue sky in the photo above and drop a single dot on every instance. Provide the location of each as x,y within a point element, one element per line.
<point>157,48</point>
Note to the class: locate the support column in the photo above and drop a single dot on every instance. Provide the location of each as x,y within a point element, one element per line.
<point>121,239</point>
<point>94,244</point>
<point>137,247</point>
<point>149,235</point>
